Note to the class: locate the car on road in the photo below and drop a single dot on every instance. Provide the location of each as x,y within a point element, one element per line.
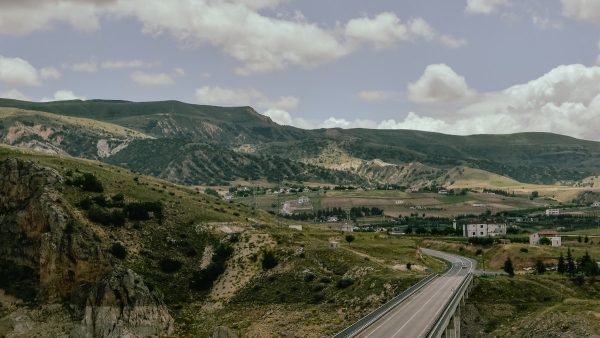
<point>463,266</point>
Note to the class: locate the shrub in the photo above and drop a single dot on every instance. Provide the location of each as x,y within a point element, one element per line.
<point>525,250</point>
<point>325,280</point>
<point>317,297</point>
<point>309,277</point>
<point>141,211</point>
<point>88,182</point>
<point>169,265</point>
<point>269,261</point>
<point>344,283</point>
<point>118,250</point>
<point>204,279</point>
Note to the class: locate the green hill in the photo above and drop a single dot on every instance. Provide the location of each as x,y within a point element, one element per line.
<point>525,157</point>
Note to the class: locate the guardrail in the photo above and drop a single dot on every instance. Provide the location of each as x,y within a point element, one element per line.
<point>442,322</point>
<point>381,311</point>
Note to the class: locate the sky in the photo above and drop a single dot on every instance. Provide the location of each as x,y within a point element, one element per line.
<point>451,66</point>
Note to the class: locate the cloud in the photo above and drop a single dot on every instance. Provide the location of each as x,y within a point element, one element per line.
<point>18,72</point>
<point>18,17</point>
<point>544,23</point>
<point>284,118</point>
<point>386,29</point>
<point>243,97</point>
<point>50,73</point>
<point>86,67</point>
<point>241,29</point>
<point>582,10</point>
<point>439,83</point>
<point>452,42</point>
<point>484,6</point>
<point>152,79</point>
<point>63,95</point>
<point>15,95</point>
<point>376,95</point>
<point>566,100</point>
<point>125,64</point>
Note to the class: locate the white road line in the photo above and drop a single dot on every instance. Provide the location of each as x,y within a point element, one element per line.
<point>422,306</point>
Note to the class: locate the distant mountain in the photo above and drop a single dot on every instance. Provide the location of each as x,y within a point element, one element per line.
<point>205,144</point>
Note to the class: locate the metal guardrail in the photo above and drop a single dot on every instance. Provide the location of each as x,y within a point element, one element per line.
<point>381,311</point>
<point>442,322</point>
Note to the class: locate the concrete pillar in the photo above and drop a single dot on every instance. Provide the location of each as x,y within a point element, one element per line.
<point>457,322</point>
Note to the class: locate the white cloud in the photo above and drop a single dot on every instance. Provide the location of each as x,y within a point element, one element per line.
<point>63,95</point>
<point>243,97</point>
<point>484,6</point>
<point>284,118</point>
<point>125,64</point>
<point>152,79</point>
<point>582,10</point>
<point>15,95</point>
<point>50,73</point>
<point>19,17</point>
<point>376,95</point>
<point>452,42</point>
<point>260,43</point>
<point>85,67</point>
<point>439,83</point>
<point>17,72</point>
<point>386,29</point>
<point>566,100</point>
<point>544,23</point>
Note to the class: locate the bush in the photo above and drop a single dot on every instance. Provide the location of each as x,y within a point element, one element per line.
<point>344,283</point>
<point>169,265</point>
<point>204,279</point>
<point>325,280</point>
<point>88,182</point>
<point>118,250</point>
<point>524,250</point>
<point>141,211</point>
<point>317,297</point>
<point>309,277</point>
<point>269,261</point>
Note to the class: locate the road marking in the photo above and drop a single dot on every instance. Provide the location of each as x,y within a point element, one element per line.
<point>435,317</point>
<point>391,315</point>
<point>422,306</point>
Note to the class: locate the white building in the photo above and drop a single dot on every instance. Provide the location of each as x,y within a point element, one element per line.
<point>484,229</point>
<point>347,228</point>
<point>552,212</point>
<point>296,227</point>
<point>553,236</point>
<point>596,204</point>
<point>303,200</point>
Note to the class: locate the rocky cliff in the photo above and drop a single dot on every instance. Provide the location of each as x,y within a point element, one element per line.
<point>48,256</point>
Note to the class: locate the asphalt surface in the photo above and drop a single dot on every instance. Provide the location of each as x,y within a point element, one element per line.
<point>414,317</point>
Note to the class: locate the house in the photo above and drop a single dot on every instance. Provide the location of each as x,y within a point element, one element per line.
<point>443,192</point>
<point>596,204</point>
<point>552,235</point>
<point>476,229</point>
<point>228,197</point>
<point>333,244</point>
<point>552,212</point>
<point>347,227</point>
<point>332,219</point>
<point>303,200</point>
<point>296,227</point>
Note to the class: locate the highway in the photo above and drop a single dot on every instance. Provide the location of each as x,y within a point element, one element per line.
<point>413,317</point>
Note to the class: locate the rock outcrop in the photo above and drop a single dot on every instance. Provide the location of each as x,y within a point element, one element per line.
<point>48,256</point>
<point>123,306</point>
<point>41,246</point>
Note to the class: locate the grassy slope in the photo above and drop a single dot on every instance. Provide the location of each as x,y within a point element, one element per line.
<point>271,302</point>
<point>532,306</point>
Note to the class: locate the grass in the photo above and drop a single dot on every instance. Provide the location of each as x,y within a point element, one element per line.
<point>532,305</point>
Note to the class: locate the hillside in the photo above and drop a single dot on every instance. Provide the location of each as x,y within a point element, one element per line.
<point>540,158</point>
<point>92,249</point>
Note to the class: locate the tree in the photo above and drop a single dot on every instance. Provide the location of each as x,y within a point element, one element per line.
<point>540,268</point>
<point>508,267</point>
<point>545,241</point>
<point>586,239</point>
<point>534,194</point>
<point>579,239</point>
<point>570,263</point>
<point>349,239</point>
<point>269,260</point>
<point>561,264</point>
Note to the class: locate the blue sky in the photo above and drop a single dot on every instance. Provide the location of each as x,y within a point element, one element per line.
<point>458,67</point>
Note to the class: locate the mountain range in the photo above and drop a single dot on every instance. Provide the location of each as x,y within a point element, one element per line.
<point>208,145</point>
